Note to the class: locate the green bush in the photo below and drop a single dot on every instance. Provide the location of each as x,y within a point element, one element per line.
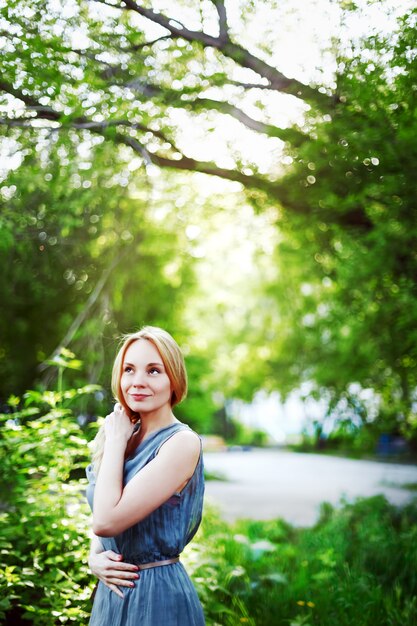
<point>44,520</point>
<point>357,566</point>
<point>243,435</point>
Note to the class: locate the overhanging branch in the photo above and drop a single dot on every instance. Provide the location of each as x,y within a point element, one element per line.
<point>172,25</point>
<point>295,137</point>
<point>221,12</point>
<point>276,80</point>
<point>203,167</point>
<point>78,123</point>
<point>175,98</point>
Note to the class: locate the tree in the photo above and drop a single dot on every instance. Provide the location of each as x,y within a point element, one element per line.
<point>133,74</point>
<point>82,262</point>
<point>353,319</point>
<point>120,85</point>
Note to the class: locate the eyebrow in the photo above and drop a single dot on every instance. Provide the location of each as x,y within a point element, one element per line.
<point>148,365</point>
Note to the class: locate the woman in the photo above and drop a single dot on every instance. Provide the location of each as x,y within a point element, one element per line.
<point>146,491</point>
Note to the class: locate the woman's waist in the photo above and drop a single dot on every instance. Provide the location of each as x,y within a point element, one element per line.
<point>152,559</point>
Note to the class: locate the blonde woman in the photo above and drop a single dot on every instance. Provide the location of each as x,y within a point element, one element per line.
<point>146,491</point>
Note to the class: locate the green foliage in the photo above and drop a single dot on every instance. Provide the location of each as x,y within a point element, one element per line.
<point>356,566</point>
<point>243,435</point>
<point>92,102</point>
<point>198,409</point>
<point>346,292</point>
<point>94,253</point>
<point>44,519</point>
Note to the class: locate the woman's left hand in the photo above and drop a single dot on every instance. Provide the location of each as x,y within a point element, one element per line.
<point>118,425</point>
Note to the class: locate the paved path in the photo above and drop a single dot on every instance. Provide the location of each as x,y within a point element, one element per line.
<point>265,484</point>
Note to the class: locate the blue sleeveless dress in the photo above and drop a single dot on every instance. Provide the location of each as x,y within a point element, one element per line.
<point>162,596</point>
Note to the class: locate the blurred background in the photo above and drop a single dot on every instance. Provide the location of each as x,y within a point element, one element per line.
<point>242,174</point>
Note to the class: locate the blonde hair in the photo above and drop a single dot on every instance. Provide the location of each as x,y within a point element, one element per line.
<point>173,361</point>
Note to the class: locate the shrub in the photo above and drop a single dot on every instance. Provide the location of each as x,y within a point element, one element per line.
<point>44,520</point>
<point>356,566</point>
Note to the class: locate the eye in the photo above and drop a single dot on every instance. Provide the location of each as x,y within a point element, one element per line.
<point>154,370</point>
<point>127,369</point>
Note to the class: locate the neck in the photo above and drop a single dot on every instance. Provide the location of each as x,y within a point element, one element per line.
<point>149,423</point>
<point>156,420</point>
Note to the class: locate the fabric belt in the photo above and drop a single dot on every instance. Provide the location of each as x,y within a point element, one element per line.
<point>158,563</point>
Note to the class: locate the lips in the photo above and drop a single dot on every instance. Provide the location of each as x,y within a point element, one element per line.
<point>139,396</point>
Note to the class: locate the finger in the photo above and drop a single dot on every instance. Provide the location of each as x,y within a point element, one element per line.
<point>122,575</point>
<point>113,556</point>
<point>115,590</point>
<point>120,582</point>
<point>120,411</point>
<point>122,567</point>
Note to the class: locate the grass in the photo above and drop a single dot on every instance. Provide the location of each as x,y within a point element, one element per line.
<point>355,567</point>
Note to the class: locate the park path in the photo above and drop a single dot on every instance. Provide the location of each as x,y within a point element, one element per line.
<point>265,484</point>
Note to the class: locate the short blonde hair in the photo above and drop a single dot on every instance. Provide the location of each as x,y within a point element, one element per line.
<point>173,361</point>
<point>171,356</point>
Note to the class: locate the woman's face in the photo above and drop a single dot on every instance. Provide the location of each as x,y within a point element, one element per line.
<point>144,383</point>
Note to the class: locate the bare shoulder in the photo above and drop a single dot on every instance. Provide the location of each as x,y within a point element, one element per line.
<point>186,442</point>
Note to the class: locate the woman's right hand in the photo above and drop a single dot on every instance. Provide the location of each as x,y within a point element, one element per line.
<point>110,568</point>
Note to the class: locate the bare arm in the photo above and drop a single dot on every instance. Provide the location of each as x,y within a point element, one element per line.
<point>116,509</point>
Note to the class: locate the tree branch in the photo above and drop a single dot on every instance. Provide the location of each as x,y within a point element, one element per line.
<point>277,81</point>
<point>79,123</point>
<point>101,126</point>
<point>223,27</point>
<point>174,26</point>
<point>203,167</point>
<point>139,46</point>
<point>82,315</point>
<point>31,103</point>
<point>295,137</point>
<point>108,4</point>
<point>174,98</point>
<point>183,163</point>
<point>21,122</point>
<point>355,219</point>
<point>236,83</point>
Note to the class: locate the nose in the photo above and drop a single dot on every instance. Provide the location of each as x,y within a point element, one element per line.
<point>138,379</point>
